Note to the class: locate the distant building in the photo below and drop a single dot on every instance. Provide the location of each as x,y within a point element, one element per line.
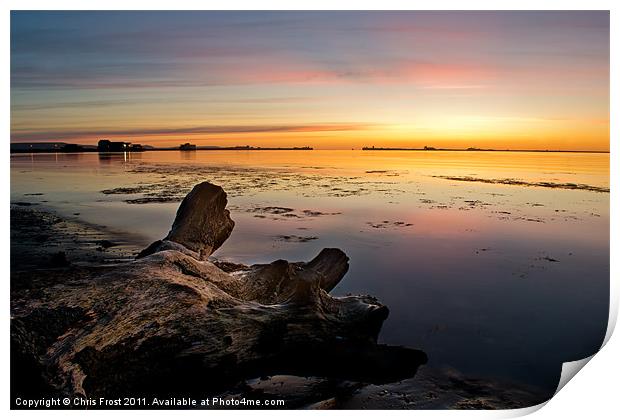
<point>187,146</point>
<point>105,145</point>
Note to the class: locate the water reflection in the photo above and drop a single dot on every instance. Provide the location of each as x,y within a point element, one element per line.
<point>188,154</point>
<point>47,157</point>
<point>489,279</point>
<point>110,157</point>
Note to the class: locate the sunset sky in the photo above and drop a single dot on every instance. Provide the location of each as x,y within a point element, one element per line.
<point>520,80</point>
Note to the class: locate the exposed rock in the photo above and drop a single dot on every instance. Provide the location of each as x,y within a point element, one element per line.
<point>295,238</point>
<point>172,323</point>
<point>518,182</point>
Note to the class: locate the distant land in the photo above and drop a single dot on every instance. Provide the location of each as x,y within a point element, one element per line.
<point>107,146</point>
<point>475,149</point>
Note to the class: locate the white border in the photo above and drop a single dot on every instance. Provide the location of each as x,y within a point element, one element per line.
<point>593,394</point>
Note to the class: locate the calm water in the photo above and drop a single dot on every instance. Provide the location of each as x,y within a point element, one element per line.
<point>492,280</point>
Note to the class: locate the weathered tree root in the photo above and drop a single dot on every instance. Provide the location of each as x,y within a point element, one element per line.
<point>172,323</point>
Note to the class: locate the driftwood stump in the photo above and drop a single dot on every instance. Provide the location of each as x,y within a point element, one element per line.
<point>172,323</point>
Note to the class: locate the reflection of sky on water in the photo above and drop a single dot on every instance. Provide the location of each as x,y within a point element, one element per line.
<point>489,279</point>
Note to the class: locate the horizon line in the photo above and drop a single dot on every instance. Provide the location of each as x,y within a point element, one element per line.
<point>308,147</point>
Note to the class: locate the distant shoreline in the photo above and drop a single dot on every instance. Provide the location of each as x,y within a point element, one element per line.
<point>399,149</point>
<point>93,149</point>
<point>378,149</point>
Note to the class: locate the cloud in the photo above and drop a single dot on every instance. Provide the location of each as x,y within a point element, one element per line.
<point>154,50</point>
<point>77,105</point>
<point>21,136</point>
<point>120,102</point>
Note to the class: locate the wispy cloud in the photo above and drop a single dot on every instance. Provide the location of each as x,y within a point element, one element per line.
<point>58,135</point>
<point>211,73</point>
<point>123,102</point>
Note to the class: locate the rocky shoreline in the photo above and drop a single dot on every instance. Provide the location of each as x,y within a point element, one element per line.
<point>40,239</point>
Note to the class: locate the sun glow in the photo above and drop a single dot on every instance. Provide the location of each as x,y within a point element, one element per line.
<point>345,81</point>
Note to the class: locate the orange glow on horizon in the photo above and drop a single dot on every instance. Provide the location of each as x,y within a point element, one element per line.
<point>501,80</point>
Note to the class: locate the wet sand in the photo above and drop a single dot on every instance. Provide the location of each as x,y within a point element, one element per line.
<point>41,238</point>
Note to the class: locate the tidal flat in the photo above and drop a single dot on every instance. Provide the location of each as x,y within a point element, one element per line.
<point>497,282</point>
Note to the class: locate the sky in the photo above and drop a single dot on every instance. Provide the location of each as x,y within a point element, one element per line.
<point>330,80</point>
